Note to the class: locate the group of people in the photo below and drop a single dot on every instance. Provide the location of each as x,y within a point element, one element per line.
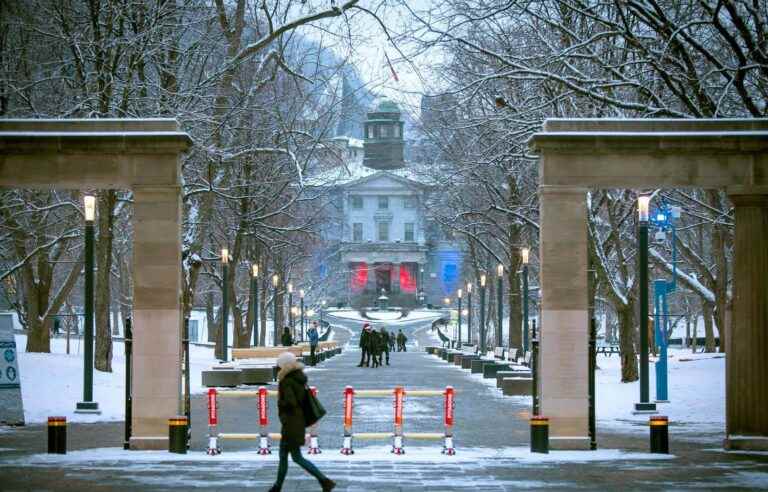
<point>313,337</point>
<point>375,344</point>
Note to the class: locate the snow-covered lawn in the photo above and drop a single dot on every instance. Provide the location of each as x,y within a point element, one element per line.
<point>52,384</point>
<point>696,394</point>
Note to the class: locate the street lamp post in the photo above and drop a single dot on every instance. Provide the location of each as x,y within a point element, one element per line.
<point>642,207</point>
<point>469,312</point>
<point>301,297</point>
<point>482,314</point>
<point>458,337</point>
<point>275,285</point>
<point>524,253</point>
<point>291,317</point>
<point>499,302</point>
<point>255,303</point>
<point>224,304</point>
<point>88,405</point>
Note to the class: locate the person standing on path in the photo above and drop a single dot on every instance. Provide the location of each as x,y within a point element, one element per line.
<point>392,340</point>
<point>376,348</point>
<point>314,337</point>
<point>365,347</point>
<point>401,339</point>
<point>291,396</point>
<point>385,342</point>
<point>286,339</point>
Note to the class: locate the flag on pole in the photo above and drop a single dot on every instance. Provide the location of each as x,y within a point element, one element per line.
<point>391,68</point>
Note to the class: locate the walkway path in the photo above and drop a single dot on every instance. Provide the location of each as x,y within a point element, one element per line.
<point>491,440</point>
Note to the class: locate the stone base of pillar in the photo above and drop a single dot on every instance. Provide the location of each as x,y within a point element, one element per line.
<point>568,443</point>
<point>158,443</point>
<point>746,443</point>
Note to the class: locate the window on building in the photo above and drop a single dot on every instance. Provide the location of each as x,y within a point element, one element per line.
<point>396,131</point>
<point>409,202</point>
<point>384,131</point>
<point>369,130</point>
<point>409,232</point>
<point>383,231</point>
<point>357,201</point>
<point>357,231</point>
<point>383,202</point>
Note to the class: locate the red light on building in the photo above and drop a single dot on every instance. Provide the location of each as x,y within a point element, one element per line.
<point>407,278</point>
<point>359,277</point>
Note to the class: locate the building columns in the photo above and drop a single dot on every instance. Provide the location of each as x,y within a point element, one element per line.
<point>747,336</point>
<point>156,313</point>
<point>562,362</point>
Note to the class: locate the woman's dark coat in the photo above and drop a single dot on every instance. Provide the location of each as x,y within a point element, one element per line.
<point>291,395</point>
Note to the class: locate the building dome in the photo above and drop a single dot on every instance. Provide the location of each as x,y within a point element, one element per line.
<point>387,106</point>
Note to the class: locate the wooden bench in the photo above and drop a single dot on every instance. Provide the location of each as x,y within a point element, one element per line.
<point>499,352</point>
<point>517,386</point>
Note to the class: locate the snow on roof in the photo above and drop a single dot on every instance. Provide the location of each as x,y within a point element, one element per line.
<point>353,172</point>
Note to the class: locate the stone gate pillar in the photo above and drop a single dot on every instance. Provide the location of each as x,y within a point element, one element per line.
<point>564,315</point>
<point>156,313</point>
<point>747,346</point>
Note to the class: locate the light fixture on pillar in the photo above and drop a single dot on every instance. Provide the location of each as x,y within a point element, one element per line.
<point>469,313</point>
<point>275,286</point>
<point>483,279</point>
<point>524,253</point>
<point>499,303</point>
<point>88,405</point>
<point>301,325</point>
<point>255,303</point>
<point>224,304</point>
<point>644,405</point>
<point>458,334</point>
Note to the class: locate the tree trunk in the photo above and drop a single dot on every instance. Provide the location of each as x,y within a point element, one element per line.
<point>210,318</point>
<point>103,333</point>
<point>709,333</point>
<point>629,365</point>
<point>515,301</point>
<point>262,317</point>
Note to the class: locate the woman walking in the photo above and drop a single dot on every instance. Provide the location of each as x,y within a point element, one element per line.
<point>291,396</point>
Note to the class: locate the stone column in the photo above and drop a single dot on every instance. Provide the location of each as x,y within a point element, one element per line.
<point>564,315</point>
<point>156,313</point>
<point>747,347</point>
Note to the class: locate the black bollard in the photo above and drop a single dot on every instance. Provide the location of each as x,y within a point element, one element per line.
<point>57,435</point>
<point>177,434</point>
<point>539,434</point>
<point>659,434</point>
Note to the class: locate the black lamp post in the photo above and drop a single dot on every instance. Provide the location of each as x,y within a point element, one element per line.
<point>255,303</point>
<point>301,300</point>
<point>458,335</point>
<point>524,253</point>
<point>469,313</point>
<point>275,285</point>
<point>224,304</point>
<point>291,318</point>
<point>88,405</point>
<point>643,203</point>
<point>499,303</point>
<point>483,279</point>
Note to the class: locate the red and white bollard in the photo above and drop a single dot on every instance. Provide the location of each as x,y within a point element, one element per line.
<point>346,448</point>
<point>213,420</point>
<point>449,406</point>
<point>314,446</point>
<point>263,421</point>
<point>399,400</point>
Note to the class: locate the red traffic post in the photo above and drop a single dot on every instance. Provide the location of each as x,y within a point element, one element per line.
<point>448,409</point>
<point>213,419</point>
<point>399,399</point>
<point>264,447</point>
<point>314,446</point>
<point>346,448</point>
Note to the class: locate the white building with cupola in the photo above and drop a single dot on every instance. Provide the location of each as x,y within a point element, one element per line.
<point>381,239</point>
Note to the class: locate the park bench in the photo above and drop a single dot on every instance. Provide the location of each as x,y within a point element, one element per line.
<point>516,386</point>
<point>512,373</point>
<point>265,352</point>
<point>499,352</point>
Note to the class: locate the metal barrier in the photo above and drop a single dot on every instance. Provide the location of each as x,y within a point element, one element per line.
<point>262,436</point>
<point>398,394</point>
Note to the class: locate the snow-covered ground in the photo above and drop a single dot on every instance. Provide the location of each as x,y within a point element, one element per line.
<point>391,317</point>
<point>696,394</point>
<point>52,384</point>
